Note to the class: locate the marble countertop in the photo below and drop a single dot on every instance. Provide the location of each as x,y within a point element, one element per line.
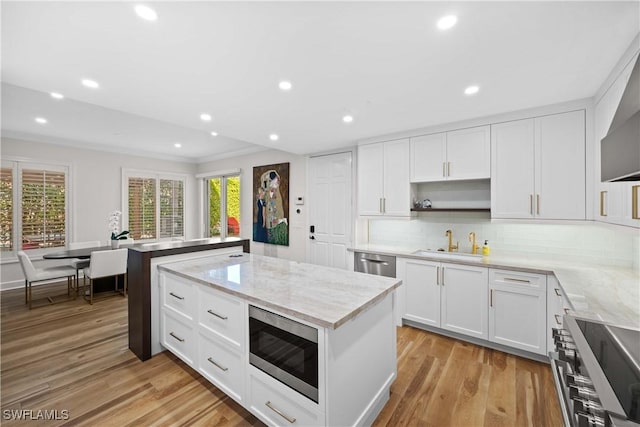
<point>326,297</point>
<point>600,292</point>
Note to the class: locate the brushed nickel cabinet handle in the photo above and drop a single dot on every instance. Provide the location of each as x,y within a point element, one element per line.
<point>558,293</point>
<point>380,205</point>
<point>531,204</point>
<point>558,319</point>
<point>602,204</point>
<point>634,202</point>
<point>511,279</point>
<point>442,276</point>
<point>219,316</point>
<point>537,204</point>
<point>491,299</point>
<point>217,365</point>
<point>176,296</point>
<point>438,276</point>
<point>448,168</point>
<point>176,337</point>
<point>566,311</point>
<point>279,412</point>
<point>384,205</point>
<point>444,169</point>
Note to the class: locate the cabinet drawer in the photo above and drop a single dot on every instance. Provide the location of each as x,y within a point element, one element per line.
<point>518,278</point>
<point>221,315</point>
<point>177,336</point>
<point>277,404</point>
<point>178,295</point>
<point>221,365</point>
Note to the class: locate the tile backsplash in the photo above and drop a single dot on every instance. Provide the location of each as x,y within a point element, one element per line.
<point>588,241</point>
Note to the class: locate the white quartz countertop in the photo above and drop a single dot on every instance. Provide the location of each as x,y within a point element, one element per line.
<point>326,297</point>
<point>599,292</point>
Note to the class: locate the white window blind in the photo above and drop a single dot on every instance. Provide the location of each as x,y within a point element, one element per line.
<point>43,203</point>
<point>6,208</point>
<point>171,208</point>
<point>142,208</point>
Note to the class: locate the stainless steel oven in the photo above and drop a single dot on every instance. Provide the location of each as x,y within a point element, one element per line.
<point>285,349</point>
<point>596,368</point>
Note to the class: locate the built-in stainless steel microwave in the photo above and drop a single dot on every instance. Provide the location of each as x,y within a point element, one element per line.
<point>285,349</point>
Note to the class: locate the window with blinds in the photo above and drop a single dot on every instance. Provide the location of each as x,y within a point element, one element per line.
<point>6,208</point>
<point>142,208</point>
<point>171,208</point>
<point>43,208</point>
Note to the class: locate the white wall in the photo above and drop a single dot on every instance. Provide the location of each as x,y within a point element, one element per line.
<point>95,190</point>
<point>297,186</point>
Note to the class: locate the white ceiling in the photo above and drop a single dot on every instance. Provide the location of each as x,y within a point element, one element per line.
<point>385,63</point>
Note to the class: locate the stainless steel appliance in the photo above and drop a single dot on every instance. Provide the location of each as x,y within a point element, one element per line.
<point>596,369</point>
<point>285,349</point>
<point>380,265</point>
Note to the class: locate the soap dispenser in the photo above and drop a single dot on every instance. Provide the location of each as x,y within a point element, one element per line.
<point>485,248</point>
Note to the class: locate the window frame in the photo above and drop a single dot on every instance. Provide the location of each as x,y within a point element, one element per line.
<point>139,173</point>
<point>223,175</point>
<point>17,164</point>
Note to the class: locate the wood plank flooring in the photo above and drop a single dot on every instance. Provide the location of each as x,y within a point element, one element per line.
<point>72,358</point>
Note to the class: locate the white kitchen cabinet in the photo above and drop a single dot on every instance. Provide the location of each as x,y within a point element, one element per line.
<point>518,310</point>
<point>464,299</point>
<point>557,306</point>
<point>455,155</point>
<point>447,296</point>
<point>383,179</point>
<point>538,167</point>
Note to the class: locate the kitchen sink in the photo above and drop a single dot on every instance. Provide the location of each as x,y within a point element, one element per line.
<point>448,255</point>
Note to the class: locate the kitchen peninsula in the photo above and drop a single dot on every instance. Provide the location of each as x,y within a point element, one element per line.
<point>288,341</point>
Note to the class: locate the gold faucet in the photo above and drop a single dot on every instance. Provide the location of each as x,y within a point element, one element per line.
<point>474,246</point>
<point>452,247</point>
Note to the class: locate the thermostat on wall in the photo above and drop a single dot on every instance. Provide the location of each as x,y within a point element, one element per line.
<point>299,200</point>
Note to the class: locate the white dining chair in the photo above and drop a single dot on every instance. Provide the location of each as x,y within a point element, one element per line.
<point>107,263</point>
<point>32,274</point>
<point>79,263</point>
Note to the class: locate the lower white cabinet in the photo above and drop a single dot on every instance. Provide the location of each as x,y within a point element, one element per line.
<point>517,310</point>
<point>221,364</point>
<point>448,296</point>
<point>177,335</point>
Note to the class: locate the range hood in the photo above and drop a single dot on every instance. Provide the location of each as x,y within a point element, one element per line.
<point>620,149</point>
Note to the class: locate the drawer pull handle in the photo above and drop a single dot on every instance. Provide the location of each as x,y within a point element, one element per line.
<point>219,366</point>
<point>511,279</point>
<point>277,411</point>
<point>566,311</point>
<point>558,319</point>
<point>219,316</point>
<point>176,337</point>
<point>558,293</point>
<point>438,276</point>
<point>176,296</point>
<point>491,299</point>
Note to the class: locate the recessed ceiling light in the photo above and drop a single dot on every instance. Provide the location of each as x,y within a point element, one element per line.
<point>273,137</point>
<point>177,145</point>
<point>205,117</point>
<point>214,133</point>
<point>57,95</point>
<point>146,13</point>
<point>447,22</point>
<point>41,120</point>
<point>347,119</point>
<point>471,90</point>
<point>90,83</point>
<point>285,85</point>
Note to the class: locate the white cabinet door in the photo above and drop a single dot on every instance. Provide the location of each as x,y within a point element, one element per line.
<point>428,157</point>
<point>464,305</point>
<point>396,197</point>
<point>518,310</point>
<point>560,166</point>
<point>468,153</point>
<point>421,282</point>
<point>512,169</point>
<point>370,179</point>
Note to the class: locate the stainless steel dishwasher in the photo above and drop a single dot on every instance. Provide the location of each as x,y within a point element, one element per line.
<point>381,265</point>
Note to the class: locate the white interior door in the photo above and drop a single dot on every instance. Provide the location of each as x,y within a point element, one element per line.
<point>330,209</point>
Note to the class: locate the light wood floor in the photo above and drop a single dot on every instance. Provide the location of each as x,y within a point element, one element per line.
<point>74,357</point>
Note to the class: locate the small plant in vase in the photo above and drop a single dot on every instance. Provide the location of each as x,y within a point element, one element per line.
<point>114,227</point>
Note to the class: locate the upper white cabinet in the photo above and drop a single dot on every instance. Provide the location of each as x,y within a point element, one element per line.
<point>383,179</point>
<point>456,155</point>
<point>538,167</point>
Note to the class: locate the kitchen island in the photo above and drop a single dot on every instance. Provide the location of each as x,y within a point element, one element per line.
<point>206,319</point>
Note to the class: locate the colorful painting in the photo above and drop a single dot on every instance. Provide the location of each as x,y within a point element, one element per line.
<point>271,204</point>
